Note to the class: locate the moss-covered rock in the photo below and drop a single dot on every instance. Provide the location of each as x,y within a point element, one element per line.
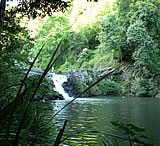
<point>80,79</point>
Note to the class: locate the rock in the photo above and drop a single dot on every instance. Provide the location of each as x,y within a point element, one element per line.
<point>80,79</point>
<point>71,89</point>
<point>157,96</point>
<point>46,97</point>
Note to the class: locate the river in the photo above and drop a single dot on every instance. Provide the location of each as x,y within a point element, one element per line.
<point>94,114</point>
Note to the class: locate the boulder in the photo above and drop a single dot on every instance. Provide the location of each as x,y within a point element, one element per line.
<point>80,79</point>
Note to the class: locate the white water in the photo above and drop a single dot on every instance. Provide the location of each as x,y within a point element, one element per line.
<point>58,82</point>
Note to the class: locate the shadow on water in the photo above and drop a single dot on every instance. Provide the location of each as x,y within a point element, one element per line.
<point>95,114</point>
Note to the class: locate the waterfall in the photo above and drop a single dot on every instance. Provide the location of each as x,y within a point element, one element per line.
<point>58,82</point>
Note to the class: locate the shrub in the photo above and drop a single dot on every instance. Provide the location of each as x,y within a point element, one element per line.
<point>106,87</point>
<point>144,87</point>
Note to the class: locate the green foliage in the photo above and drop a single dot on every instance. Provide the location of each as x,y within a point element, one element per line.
<point>45,89</point>
<point>144,87</point>
<point>91,33</point>
<point>122,8</point>
<point>110,87</point>
<point>110,33</point>
<point>85,13</point>
<point>135,133</point>
<point>102,60</point>
<point>126,87</point>
<point>113,39</point>
<point>143,37</point>
<point>14,47</point>
<point>84,39</point>
<point>74,42</point>
<point>14,50</point>
<point>33,9</point>
<point>146,52</point>
<point>80,31</point>
<point>33,132</point>
<point>132,34</point>
<point>18,114</point>
<point>106,87</point>
<point>84,57</point>
<point>50,34</point>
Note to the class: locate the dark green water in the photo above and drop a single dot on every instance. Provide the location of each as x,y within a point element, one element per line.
<point>94,114</point>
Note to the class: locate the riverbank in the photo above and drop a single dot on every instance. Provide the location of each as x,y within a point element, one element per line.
<point>121,82</point>
<point>37,114</point>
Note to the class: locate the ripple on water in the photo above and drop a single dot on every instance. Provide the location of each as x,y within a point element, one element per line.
<point>88,114</point>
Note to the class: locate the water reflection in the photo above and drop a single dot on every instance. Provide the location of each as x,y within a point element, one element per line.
<point>95,114</point>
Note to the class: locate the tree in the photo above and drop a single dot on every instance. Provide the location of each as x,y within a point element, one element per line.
<point>55,28</point>
<point>33,8</point>
<point>143,36</point>
<point>113,38</point>
<point>15,38</point>
<point>132,33</point>
<point>2,14</point>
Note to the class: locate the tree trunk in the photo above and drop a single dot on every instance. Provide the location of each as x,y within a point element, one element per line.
<point>2,14</point>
